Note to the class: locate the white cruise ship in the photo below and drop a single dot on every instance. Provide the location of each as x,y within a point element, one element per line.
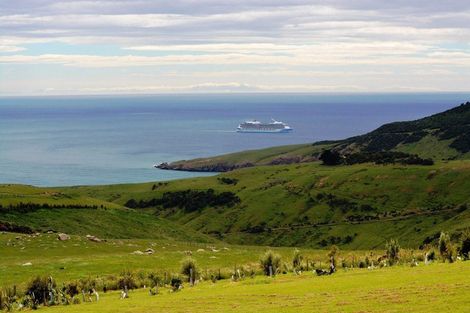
<point>255,126</point>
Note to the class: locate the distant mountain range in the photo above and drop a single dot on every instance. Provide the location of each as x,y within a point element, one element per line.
<point>442,136</point>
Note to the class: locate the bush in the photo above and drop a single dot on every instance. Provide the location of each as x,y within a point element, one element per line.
<point>126,279</point>
<point>39,289</point>
<point>446,250</point>
<point>188,268</point>
<point>176,283</point>
<point>465,244</point>
<point>8,297</point>
<point>431,255</point>
<point>332,255</point>
<point>297,260</point>
<point>71,289</point>
<point>330,157</point>
<point>393,250</point>
<point>270,260</point>
<point>154,279</point>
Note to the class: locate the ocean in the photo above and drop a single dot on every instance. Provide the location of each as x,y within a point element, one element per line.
<point>88,140</point>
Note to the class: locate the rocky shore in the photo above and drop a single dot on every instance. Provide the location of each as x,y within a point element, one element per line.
<point>215,168</point>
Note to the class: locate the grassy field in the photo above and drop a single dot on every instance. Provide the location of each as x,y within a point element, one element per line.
<point>79,258</point>
<point>432,288</point>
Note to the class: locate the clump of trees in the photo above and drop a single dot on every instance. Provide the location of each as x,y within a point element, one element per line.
<point>386,157</point>
<point>270,263</point>
<point>26,207</point>
<point>227,180</point>
<point>188,200</point>
<point>333,157</point>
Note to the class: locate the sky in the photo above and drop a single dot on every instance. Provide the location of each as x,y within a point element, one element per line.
<point>50,47</point>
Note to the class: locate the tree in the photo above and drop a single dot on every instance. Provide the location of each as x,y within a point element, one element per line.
<point>330,157</point>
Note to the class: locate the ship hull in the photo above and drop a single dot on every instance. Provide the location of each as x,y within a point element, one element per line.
<point>285,130</point>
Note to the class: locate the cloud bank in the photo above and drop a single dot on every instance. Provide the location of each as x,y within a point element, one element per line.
<point>153,46</point>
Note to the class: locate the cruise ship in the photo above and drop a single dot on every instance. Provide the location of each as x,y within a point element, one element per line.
<point>255,126</point>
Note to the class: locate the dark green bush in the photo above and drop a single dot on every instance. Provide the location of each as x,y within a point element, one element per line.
<point>330,157</point>
<point>465,244</point>
<point>176,283</point>
<point>446,249</point>
<point>39,289</point>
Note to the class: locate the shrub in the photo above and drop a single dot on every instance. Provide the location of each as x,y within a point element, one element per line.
<point>176,283</point>
<point>297,260</point>
<point>446,249</point>
<point>330,157</point>
<point>465,244</point>
<point>393,250</point>
<point>39,289</point>
<point>8,297</point>
<point>270,260</point>
<point>154,279</point>
<point>126,279</point>
<point>332,255</point>
<point>431,255</point>
<point>189,269</point>
<point>71,289</point>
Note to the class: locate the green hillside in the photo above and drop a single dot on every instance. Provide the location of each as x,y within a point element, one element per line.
<point>442,136</point>
<point>30,209</point>
<point>358,207</point>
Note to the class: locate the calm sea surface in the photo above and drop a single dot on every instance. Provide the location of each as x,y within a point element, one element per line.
<point>98,140</point>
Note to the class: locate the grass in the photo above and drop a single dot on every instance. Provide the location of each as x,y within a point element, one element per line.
<point>433,288</point>
<point>80,258</point>
<point>256,157</point>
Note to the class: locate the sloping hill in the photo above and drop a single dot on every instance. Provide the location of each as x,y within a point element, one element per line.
<point>358,207</point>
<point>29,209</point>
<point>441,136</point>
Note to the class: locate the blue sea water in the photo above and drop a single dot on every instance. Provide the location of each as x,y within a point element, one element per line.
<point>55,141</point>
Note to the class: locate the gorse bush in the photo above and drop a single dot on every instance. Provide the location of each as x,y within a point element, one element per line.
<point>392,250</point>
<point>189,269</point>
<point>270,263</point>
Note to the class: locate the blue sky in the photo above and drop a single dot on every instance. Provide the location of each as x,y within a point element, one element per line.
<point>52,47</point>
